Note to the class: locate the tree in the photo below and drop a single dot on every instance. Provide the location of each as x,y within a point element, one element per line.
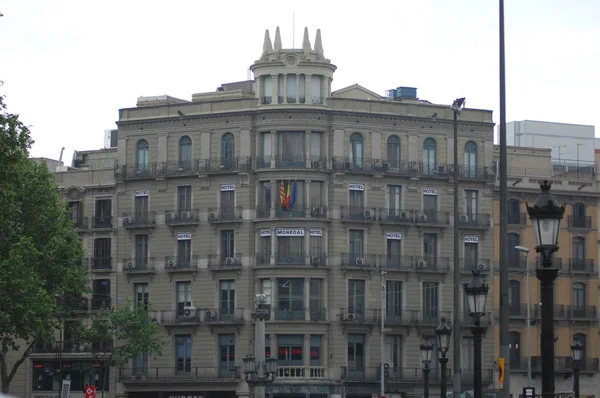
<point>39,249</point>
<point>120,334</point>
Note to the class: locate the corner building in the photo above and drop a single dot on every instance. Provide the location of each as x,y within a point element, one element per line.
<point>201,229</point>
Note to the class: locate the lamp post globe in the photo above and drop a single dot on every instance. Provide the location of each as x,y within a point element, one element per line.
<point>546,215</point>
<point>426,351</point>
<point>577,349</point>
<point>476,292</point>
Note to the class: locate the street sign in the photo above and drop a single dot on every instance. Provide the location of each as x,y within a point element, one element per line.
<point>66,388</point>
<point>528,392</point>
<point>90,392</point>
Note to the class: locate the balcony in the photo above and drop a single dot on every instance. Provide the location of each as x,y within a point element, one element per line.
<point>225,215</point>
<point>468,265</point>
<point>100,302</point>
<point>561,364</point>
<point>359,260</point>
<point>358,214</point>
<point>70,347</point>
<point>139,220</point>
<point>177,168</point>
<point>140,266</point>
<point>517,218</point>
<point>360,315</point>
<point>284,314</point>
<point>181,264</point>
<point>290,259</point>
<point>80,223</point>
<point>180,317</point>
<point>518,310</point>
<point>182,217</point>
<point>101,222</point>
<point>226,262</point>
<point>432,318</point>
<point>290,161</point>
<point>398,317</point>
<point>582,313</point>
<point>294,212</point>
<point>579,222</point>
<point>141,171</point>
<point>175,375</point>
<point>396,375</point>
<point>556,262</point>
<point>101,264</point>
<point>357,165</point>
<point>228,165</point>
<point>432,218</point>
<point>396,216</point>
<point>223,315</point>
<point>395,263</point>
<point>474,221</point>
<point>301,372</point>
<point>74,305</point>
<point>581,265</point>
<point>431,264</point>
<point>516,261</point>
<point>468,321</point>
<point>473,173</point>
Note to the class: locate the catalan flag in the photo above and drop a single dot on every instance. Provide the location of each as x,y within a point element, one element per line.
<point>288,196</point>
<point>283,196</point>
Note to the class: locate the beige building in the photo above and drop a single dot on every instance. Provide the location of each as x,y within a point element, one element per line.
<point>281,186</point>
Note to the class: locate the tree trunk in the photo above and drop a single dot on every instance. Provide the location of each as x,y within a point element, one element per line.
<point>6,377</point>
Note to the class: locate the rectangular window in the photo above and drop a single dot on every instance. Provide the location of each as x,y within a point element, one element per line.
<point>141,209</point>
<point>393,354</point>
<point>430,207</point>
<point>394,195</point>
<point>265,200</point>
<point>357,204</point>
<point>184,198</point>
<point>291,350</point>
<point>316,198</point>
<point>266,150</point>
<point>290,249</point>
<point>317,312</point>
<point>103,214</point>
<point>227,355</point>
<point>140,364</point>
<point>227,300</point>
<point>183,353</point>
<point>315,350</point>
<point>430,301</point>
<point>141,252</point>
<point>356,354</point>
<point>264,256</point>
<point>430,247</point>
<point>141,295</point>
<point>356,245</point>
<point>394,252</point>
<point>471,256</point>
<point>356,298</point>
<point>80,373</point>
<point>227,244</point>
<point>267,289</point>
<point>290,298</point>
<point>316,248</point>
<point>291,147</point>
<point>301,89</point>
<point>184,253</point>
<point>183,296</point>
<point>227,205</point>
<point>77,213</point>
<point>268,93</point>
<point>472,204</point>
<point>316,147</point>
<point>393,306</point>
<point>268,347</point>
<point>315,90</point>
<point>101,294</point>
<point>102,253</point>
<point>291,88</point>
<point>291,198</point>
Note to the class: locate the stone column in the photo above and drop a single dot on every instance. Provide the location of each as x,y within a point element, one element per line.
<point>285,86</point>
<point>275,89</point>
<point>308,89</point>
<point>259,88</point>
<point>307,299</point>
<point>273,303</point>
<point>297,88</point>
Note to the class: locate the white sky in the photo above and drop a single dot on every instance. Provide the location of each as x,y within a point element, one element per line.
<point>69,65</point>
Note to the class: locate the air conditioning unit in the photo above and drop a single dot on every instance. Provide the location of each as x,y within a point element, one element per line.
<point>170,264</point>
<point>360,261</point>
<point>170,216</point>
<point>318,211</point>
<point>421,264</point>
<point>189,312</point>
<point>230,261</point>
<point>212,216</point>
<point>316,260</point>
<point>349,316</point>
<point>126,220</point>
<point>317,164</point>
<point>185,215</point>
<point>404,214</point>
<point>210,316</point>
<point>422,217</point>
<point>481,267</point>
<point>442,170</point>
<point>368,213</point>
<point>464,219</point>
<point>130,265</point>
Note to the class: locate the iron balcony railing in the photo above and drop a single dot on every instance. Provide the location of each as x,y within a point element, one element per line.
<point>80,223</point>
<point>430,217</point>
<point>359,213</point>
<point>222,315</point>
<point>180,316</point>
<point>286,314</point>
<point>182,217</point>
<point>473,173</point>
<point>174,169</point>
<point>227,261</point>
<point>71,347</point>
<point>225,214</point>
<point>398,316</point>
<point>284,258</point>
<point>139,219</point>
<point>359,260</point>
<point>296,211</point>
<point>584,222</point>
<point>409,375</point>
<point>359,314</point>
<point>582,265</point>
<point>468,320</point>
<point>468,265</point>
<point>515,218</point>
<point>395,262</point>
<point>101,222</point>
<point>184,373</point>
<point>474,220</point>
<point>141,264</point>
<point>396,216</point>
<point>582,312</point>
<point>100,302</point>
<point>101,263</point>
<point>561,364</point>
<point>73,304</point>
<point>181,263</point>
<point>432,264</point>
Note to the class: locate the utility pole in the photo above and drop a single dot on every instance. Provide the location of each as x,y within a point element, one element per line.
<point>504,335</point>
<point>382,336</point>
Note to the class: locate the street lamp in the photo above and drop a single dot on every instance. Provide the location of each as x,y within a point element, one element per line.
<point>577,349</point>
<point>528,289</point>
<point>260,370</point>
<point>443,332</point>
<point>546,215</point>
<point>476,292</point>
<point>426,351</point>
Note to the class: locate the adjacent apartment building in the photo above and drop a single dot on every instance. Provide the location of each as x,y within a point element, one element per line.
<point>280,186</point>
<point>576,289</point>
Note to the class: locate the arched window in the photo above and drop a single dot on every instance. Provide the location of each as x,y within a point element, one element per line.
<point>578,262</point>
<point>141,155</point>
<point>429,155</point>
<point>514,297</point>
<point>583,340</point>
<point>227,150</point>
<point>514,347</point>
<point>393,151</point>
<point>579,296</point>
<point>470,156</point>
<point>514,256</point>
<point>514,212</point>
<point>578,219</point>
<point>356,150</point>
<point>185,152</point>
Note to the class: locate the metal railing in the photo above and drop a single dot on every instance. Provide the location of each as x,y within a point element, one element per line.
<point>138,264</point>
<point>175,263</point>
<point>584,222</point>
<point>179,316</point>
<point>517,218</point>
<point>468,265</point>
<point>396,216</point>
<point>182,217</point>
<point>216,261</point>
<point>582,265</point>
<point>474,220</point>
<point>397,263</point>
<point>359,260</point>
<point>101,222</point>
<point>431,263</point>
<point>583,312</point>
<point>430,217</point>
<point>290,258</point>
<point>359,315</point>
<point>176,374</point>
<point>101,263</point>
<point>222,315</point>
<point>225,214</point>
<point>359,213</point>
<point>80,223</point>
<point>139,219</point>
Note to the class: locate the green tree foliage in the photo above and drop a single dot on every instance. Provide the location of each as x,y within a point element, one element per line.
<point>39,249</point>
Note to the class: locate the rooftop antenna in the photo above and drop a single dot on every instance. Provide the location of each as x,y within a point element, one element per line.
<point>293,29</point>
<point>61,155</point>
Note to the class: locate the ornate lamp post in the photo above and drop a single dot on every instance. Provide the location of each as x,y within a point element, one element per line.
<point>443,333</point>
<point>476,293</point>
<point>546,215</point>
<point>426,351</point>
<point>577,349</point>
<point>258,370</point>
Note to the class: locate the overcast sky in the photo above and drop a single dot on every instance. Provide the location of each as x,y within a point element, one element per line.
<point>69,65</point>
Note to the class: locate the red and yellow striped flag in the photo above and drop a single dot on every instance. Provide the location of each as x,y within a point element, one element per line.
<point>282,194</point>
